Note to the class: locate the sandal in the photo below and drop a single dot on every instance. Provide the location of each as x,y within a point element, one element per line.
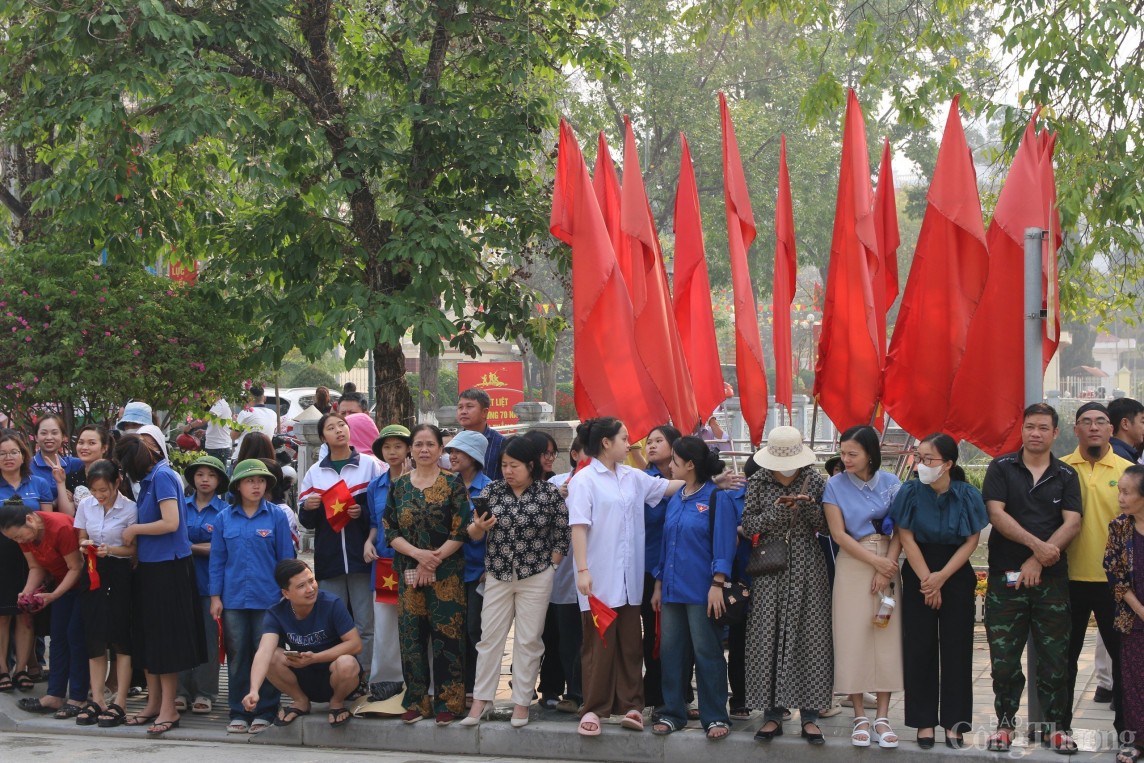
<point>181,704</point>
<point>589,725</point>
<point>6,682</point>
<point>741,713</point>
<point>633,720</point>
<point>811,737</point>
<point>34,705</point>
<point>259,725</point>
<point>692,714</point>
<point>68,711</point>
<point>113,716</point>
<point>88,714</point>
<point>23,681</point>
<point>162,727</point>
<point>339,716</point>
<point>141,720</point>
<point>288,715</point>
<point>663,726</point>
<point>716,726</point>
<point>860,737</point>
<point>567,706</point>
<point>201,706</point>
<point>1128,755</point>
<point>237,726</point>
<point>1061,743</point>
<point>1001,741</point>
<point>884,742</point>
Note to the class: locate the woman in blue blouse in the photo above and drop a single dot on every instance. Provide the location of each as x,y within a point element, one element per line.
<point>695,560</point>
<point>866,657</point>
<point>939,518</point>
<point>658,447</point>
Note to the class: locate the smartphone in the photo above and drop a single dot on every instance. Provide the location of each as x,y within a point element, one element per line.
<point>289,648</point>
<point>480,506</point>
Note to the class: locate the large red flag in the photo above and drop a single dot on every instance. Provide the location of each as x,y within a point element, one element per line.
<point>786,271</point>
<point>848,373</point>
<point>887,235</point>
<point>609,377</point>
<point>692,298</point>
<point>749,366</point>
<point>989,387</point>
<point>659,344</point>
<point>607,188</point>
<point>946,280</point>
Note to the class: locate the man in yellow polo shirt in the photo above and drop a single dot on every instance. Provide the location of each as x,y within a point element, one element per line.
<point>1098,469</point>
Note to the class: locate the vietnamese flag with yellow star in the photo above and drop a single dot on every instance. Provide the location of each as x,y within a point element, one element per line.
<point>338,501</point>
<point>384,581</point>
<point>602,616</point>
<point>92,559</point>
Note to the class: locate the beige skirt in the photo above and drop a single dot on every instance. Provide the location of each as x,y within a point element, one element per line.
<point>866,658</point>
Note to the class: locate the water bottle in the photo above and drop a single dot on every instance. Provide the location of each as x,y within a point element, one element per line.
<point>885,610</point>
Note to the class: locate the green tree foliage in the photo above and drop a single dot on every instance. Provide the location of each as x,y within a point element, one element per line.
<point>85,345</point>
<point>351,171</point>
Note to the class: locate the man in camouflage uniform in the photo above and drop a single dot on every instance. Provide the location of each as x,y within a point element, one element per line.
<point>1034,504</point>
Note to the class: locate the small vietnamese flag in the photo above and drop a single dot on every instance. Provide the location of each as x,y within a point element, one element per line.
<point>93,568</point>
<point>338,501</point>
<point>384,581</point>
<point>602,616</point>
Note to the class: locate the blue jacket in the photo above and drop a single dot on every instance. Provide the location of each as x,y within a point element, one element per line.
<point>200,528</point>
<point>244,552</point>
<point>692,555</point>
<point>474,550</point>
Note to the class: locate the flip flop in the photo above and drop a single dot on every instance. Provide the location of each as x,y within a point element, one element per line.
<point>141,720</point>
<point>162,727</point>
<point>340,716</point>
<point>289,715</point>
<point>589,719</point>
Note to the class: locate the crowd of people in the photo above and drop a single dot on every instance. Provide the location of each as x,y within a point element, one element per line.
<point>703,594</point>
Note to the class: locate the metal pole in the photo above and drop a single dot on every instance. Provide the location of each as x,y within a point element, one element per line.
<point>1034,393</point>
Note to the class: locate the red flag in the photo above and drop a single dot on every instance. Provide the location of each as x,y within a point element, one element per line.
<point>951,263</point>
<point>988,394</point>
<point>92,554</point>
<point>786,271</point>
<point>693,313</point>
<point>848,373</point>
<point>384,581</point>
<point>607,188</point>
<point>609,378</point>
<point>1050,285</point>
<point>749,366</point>
<point>338,500</point>
<point>602,616</point>
<point>887,236</point>
<point>659,345</point>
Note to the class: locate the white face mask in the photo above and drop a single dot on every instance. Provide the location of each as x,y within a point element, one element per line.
<point>788,472</point>
<point>928,475</point>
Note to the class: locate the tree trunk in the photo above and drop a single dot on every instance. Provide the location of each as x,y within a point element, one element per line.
<point>548,374</point>
<point>430,370</point>
<point>394,405</point>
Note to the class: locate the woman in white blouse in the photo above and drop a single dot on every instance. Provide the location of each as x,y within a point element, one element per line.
<point>605,509</point>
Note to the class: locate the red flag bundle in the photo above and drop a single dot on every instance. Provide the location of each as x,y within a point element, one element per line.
<point>609,377</point>
<point>338,501</point>
<point>848,373</point>
<point>786,272</point>
<point>607,188</point>
<point>692,297</point>
<point>602,616</point>
<point>92,554</point>
<point>947,278</point>
<point>384,581</point>
<point>740,233</point>
<point>988,393</point>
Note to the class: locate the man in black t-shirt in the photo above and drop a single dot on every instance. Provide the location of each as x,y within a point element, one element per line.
<point>1035,507</point>
<point>308,647</point>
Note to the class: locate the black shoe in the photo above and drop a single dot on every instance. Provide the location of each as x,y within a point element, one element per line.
<point>926,743</point>
<point>815,739</point>
<point>766,736</point>
<point>954,743</point>
<point>1102,695</point>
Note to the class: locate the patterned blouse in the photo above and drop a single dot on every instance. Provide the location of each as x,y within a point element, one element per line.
<point>529,529</point>
<point>427,518</point>
<point>1118,564</point>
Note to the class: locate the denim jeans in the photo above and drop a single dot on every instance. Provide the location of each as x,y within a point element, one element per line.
<point>242,630</point>
<point>68,675</point>
<point>202,681</point>
<point>686,629</point>
<point>356,592</point>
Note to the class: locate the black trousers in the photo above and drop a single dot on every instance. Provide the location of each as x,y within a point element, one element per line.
<point>474,602</point>
<point>737,664</point>
<point>1094,599</point>
<point>937,645</point>
<point>560,666</point>
<point>551,667</point>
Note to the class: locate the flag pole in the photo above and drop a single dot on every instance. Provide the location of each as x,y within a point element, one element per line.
<point>813,421</point>
<point>1033,316</point>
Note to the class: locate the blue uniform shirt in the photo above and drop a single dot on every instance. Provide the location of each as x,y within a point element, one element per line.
<point>377,491</point>
<point>41,469</point>
<point>690,556</point>
<point>161,484</point>
<point>653,526</point>
<point>244,552</point>
<point>33,490</point>
<point>474,550</point>
<point>200,527</point>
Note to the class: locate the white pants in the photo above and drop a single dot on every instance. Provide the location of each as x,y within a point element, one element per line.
<point>526,601</point>
<point>386,646</point>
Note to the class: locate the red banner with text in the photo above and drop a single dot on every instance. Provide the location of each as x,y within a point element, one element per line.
<point>503,382</point>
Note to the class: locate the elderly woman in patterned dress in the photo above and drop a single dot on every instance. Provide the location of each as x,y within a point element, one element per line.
<point>790,657</point>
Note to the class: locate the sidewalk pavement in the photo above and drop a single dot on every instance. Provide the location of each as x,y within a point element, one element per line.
<point>552,735</point>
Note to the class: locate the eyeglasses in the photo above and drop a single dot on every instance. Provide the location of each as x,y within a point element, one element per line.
<point>11,454</point>
<point>550,453</point>
<point>928,460</point>
<point>1094,423</point>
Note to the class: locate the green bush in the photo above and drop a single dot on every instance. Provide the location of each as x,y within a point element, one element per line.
<point>312,376</point>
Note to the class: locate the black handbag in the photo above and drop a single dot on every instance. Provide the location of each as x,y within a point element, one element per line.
<point>773,556</point>
<point>736,595</point>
